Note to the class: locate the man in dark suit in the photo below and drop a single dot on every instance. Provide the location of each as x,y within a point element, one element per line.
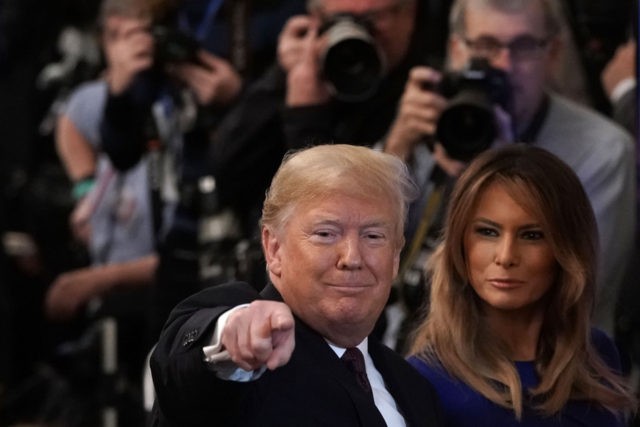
<point>332,231</point>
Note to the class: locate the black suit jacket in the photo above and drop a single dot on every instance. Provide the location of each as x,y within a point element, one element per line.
<point>313,389</point>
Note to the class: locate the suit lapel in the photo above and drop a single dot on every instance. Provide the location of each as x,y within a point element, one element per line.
<point>317,357</point>
<point>270,292</point>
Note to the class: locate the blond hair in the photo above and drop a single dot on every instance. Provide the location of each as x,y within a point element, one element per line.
<point>322,170</point>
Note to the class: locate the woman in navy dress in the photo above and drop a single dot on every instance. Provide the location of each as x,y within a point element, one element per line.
<point>507,340</point>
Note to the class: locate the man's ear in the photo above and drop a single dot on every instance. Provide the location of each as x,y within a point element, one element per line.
<point>457,56</point>
<point>396,263</point>
<point>555,50</point>
<point>271,249</point>
<point>556,60</point>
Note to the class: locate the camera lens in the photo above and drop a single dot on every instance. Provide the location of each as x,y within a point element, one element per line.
<point>352,63</point>
<point>467,126</point>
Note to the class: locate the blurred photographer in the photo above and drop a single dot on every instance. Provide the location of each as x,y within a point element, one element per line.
<point>343,51</point>
<point>339,74</point>
<point>174,76</point>
<point>518,42</point>
<point>143,67</point>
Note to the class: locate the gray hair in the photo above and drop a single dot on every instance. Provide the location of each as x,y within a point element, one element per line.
<point>551,9</point>
<point>314,5</point>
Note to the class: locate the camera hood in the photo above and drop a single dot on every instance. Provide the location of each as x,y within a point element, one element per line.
<point>467,126</point>
<point>352,63</point>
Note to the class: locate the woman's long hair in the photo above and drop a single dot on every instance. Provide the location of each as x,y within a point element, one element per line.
<point>454,333</point>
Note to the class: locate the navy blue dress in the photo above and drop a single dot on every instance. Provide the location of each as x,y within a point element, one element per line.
<point>465,407</point>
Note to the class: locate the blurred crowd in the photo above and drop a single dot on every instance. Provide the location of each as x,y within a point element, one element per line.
<point>139,136</point>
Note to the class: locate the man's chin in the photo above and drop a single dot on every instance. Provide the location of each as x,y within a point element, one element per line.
<point>348,331</point>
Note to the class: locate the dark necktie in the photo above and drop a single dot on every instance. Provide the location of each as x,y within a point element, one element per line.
<point>354,360</point>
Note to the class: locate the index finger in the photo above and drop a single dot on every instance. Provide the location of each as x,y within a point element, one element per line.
<point>210,60</point>
<point>297,26</point>
<point>276,321</point>
<point>424,76</point>
<point>263,331</point>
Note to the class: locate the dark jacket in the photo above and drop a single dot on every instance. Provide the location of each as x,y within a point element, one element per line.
<point>249,144</point>
<point>313,389</point>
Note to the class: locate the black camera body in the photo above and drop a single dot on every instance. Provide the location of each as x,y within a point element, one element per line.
<point>173,46</point>
<point>467,126</point>
<point>352,62</point>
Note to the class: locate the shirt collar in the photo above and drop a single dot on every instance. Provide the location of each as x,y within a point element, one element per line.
<point>339,351</point>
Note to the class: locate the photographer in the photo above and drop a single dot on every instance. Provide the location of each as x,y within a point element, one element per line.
<point>175,74</point>
<point>339,74</point>
<point>520,40</point>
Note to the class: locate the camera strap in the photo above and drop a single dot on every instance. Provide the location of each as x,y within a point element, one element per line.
<point>418,247</point>
<point>239,49</point>
<point>427,234</point>
<point>531,132</point>
<point>202,29</point>
<point>164,153</point>
<point>154,172</point>
<point>238,20</point>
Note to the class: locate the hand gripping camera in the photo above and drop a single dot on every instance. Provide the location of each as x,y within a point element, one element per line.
<point>174,46</point>
<point>352,63</point>
<point>467,126</point>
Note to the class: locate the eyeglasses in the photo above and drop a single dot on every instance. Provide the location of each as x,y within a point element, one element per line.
<point>520,48</point>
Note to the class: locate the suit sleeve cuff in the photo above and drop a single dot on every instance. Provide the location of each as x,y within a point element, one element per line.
<point>213,352</point>
<point>219,361</point>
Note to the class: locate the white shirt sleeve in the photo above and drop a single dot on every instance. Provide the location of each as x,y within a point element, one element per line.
<point>219,360</point>
<point>622,87</point>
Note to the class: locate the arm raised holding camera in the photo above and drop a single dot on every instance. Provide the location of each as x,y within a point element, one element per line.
<point>418,113</point>
<point>462,113</point>
<point>298,55</point>
<point>213,81</point>
<point>128,48</point>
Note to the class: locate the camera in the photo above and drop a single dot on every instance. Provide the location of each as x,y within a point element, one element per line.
<point>173,46</point>
<point>352,62</point>
<point>467,125</point>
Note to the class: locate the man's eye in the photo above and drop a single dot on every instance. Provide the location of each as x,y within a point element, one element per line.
<point>524,44</point>
<point>374,236</point>
<point>487,44</point>
<point>323,233</point>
